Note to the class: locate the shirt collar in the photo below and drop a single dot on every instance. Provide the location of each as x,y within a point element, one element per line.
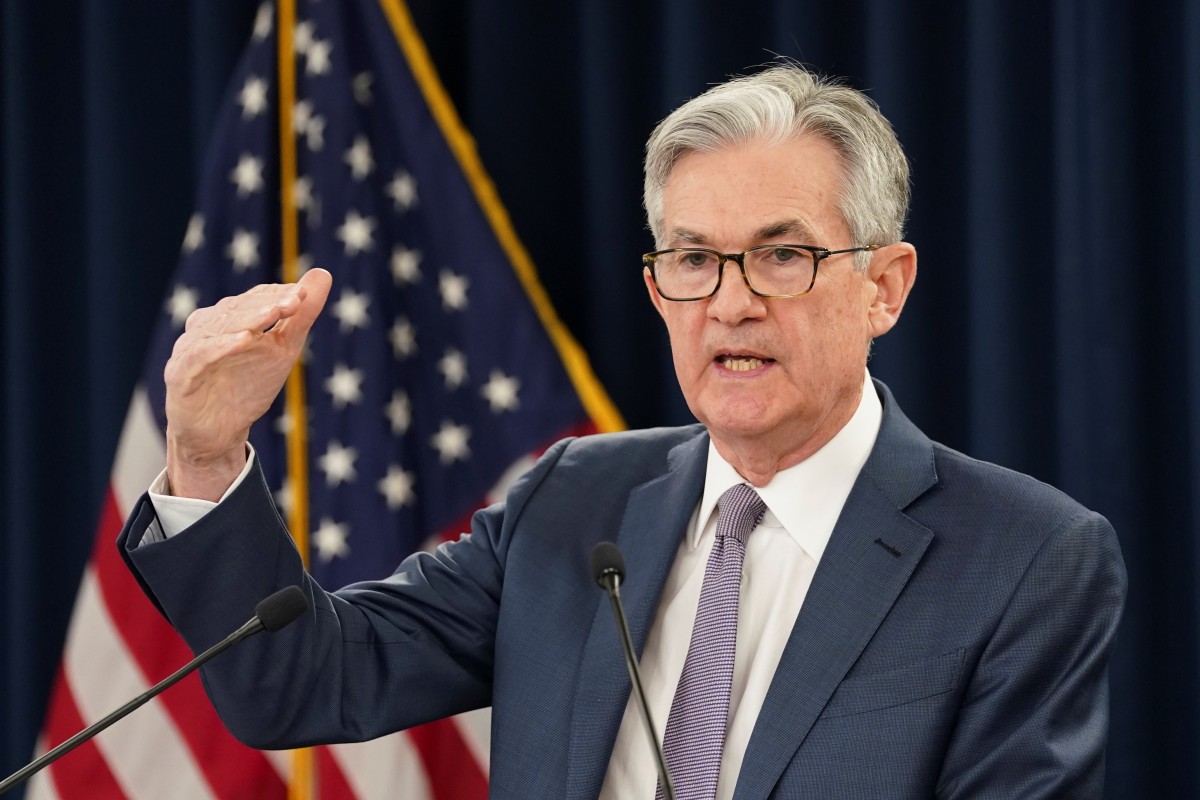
<point>804,499</point>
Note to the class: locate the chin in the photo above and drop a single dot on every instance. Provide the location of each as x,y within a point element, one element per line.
<point>739,420</point>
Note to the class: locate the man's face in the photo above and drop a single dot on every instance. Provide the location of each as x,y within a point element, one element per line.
<point>771,378</point>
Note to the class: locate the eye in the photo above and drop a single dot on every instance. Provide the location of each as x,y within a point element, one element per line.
<point>784,255</point>
<point>695,259</point>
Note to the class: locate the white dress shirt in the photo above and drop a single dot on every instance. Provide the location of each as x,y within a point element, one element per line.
<point>803,504</point>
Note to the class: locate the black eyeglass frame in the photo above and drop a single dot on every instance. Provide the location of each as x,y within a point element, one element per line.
<point>819,254</point>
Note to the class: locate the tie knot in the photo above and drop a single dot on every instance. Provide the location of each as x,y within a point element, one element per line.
<point>739,511</point>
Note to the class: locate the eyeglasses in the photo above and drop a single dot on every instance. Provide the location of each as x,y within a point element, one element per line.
<point>770,270</point>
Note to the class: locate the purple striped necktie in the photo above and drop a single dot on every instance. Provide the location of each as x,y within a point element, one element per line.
<point>695,736</point>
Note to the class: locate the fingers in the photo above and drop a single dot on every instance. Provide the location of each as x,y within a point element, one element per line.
<point>257,309</point>
<point>263,306</point>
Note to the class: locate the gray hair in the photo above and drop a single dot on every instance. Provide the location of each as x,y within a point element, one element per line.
<point>781,103</point>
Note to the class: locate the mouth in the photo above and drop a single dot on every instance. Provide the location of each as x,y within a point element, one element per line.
<point>738,362</point>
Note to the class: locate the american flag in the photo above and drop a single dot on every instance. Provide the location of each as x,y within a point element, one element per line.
<point>437,372</point>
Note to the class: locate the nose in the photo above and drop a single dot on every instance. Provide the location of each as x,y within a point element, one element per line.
<point>734,301</point>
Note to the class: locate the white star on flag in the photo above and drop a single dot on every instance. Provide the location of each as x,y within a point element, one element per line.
<point>453,366</point>
<point>253,97</point>
<point>283,423</point>
<point>406,265</point>
<point>403,190</point>
<point>403,337</point>
<point>359,158</point>
<point>182,302</point>
<point>501,392</point>
<point>302,36</point>
<point>285,496</point>
<point>302,192</point>
<point>247,175</point>
<point>193,239</point>
<point>397,487</point>
<point>451,442</point>
<point>330,540</point>
<point>338,464</point>
<point>262,22</point>
<point>453,289</point>
<point>318,57</point>
<point>302,114</point>
<point>344,386</point>
<point>351,310</point>
<point>362,88</point>
<point>357,233</point>
<point>314,133</point>
<point>243,249</point>
<point>399,412</point>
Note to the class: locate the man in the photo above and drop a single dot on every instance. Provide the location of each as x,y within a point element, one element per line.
<point>903,621</point>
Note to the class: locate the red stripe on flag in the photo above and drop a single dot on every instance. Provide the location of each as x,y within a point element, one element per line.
<point>453,773</point>
<point>231,769</point>
<point>83,772</point>
<point>331,783</point>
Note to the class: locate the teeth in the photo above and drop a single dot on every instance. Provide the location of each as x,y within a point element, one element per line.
<point>742,364</point>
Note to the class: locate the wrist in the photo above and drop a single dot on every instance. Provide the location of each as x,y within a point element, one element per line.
<point>202,476</point>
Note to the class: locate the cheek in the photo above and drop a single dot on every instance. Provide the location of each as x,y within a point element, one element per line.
<point>687,350</point>
<point>826,343</point>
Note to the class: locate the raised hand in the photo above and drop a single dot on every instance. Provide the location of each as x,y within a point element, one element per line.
<point>224,373</point>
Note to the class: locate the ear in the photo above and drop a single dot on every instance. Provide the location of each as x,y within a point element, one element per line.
<point>892,272</point>
<point>655,297</point>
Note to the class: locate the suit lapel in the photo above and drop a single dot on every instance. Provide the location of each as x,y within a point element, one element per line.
<point>871,554</point>
<point>656,516</point>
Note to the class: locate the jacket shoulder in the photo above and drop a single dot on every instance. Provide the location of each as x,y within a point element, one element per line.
<point>630,456</point>
<point>1000,492</point>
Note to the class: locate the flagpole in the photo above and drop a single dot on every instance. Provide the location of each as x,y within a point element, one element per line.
<point>300,784</point>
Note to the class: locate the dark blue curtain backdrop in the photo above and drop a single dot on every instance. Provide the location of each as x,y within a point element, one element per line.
<point>1055,327</point>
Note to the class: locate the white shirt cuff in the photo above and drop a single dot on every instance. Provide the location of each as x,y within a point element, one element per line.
<point>176,514</point>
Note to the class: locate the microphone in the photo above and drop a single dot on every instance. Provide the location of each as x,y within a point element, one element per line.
<point>608,568</point>
<point>272,614</point>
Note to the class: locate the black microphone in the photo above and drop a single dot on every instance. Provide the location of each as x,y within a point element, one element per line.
<point>272,614</point>
<point>608,568</point>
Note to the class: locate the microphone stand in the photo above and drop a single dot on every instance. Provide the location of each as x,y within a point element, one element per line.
<point>279,609</point>
<point>609,571</point>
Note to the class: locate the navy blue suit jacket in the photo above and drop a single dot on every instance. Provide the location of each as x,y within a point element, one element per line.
<point>954,642</point>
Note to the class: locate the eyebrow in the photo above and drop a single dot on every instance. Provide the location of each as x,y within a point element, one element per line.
<point>687,237</point>
<point>793,229</point>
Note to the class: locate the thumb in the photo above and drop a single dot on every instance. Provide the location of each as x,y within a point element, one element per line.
<point>316,283</point>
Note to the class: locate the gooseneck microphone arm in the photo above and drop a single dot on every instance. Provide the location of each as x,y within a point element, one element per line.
<point>272,614</point>
<point>608,568</point>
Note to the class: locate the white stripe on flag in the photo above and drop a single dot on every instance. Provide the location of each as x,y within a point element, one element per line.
<point>281,761</point>
<point>149,759</point>
<point>141,454</point>
<point>41,786</point>
<point>476,729</point>
<point>383,769</point>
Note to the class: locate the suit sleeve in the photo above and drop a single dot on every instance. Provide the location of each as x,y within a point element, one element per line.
<point>1034,719</point>
<point>423,638</point>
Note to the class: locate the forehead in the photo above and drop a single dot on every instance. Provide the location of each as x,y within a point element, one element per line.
<point>730,196</point>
